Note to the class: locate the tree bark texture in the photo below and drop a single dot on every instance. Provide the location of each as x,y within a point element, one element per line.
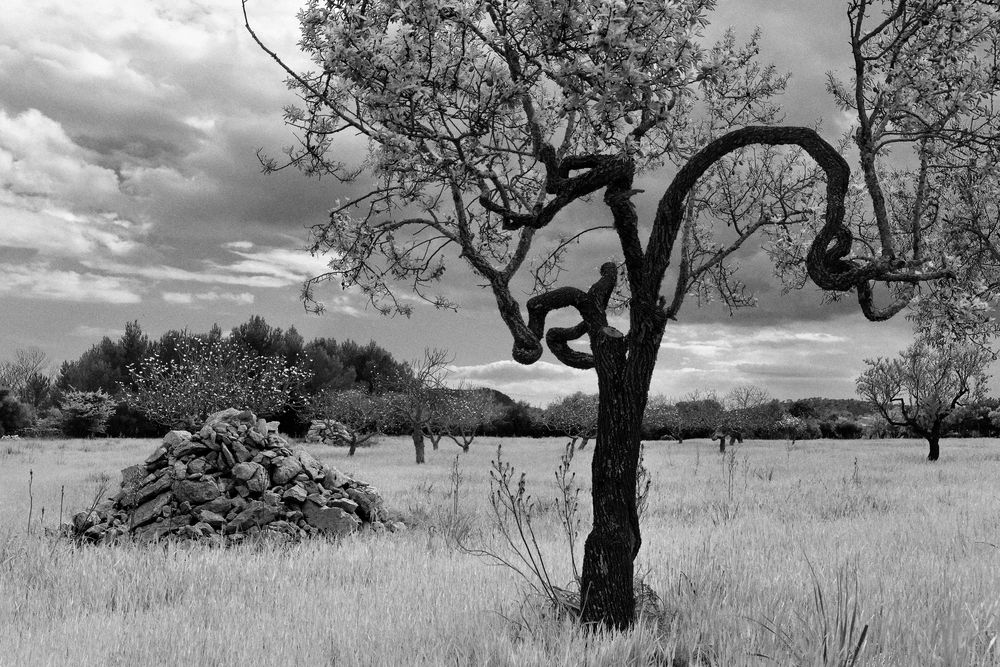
<point>418,442</point>
<point>609,553</point>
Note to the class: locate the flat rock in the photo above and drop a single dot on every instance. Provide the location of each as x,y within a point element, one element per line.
<point>256,513</point>
<point>345,504</point>
<point>174,438</point>
<point>244,471</point>
<point>259,482</point>
<point>189,447</point>
<point>331,521</point>
<point>220,505</point>
<point>369,502</point>
<point>296,493</point>
<point>196,492</point>
<point>309,463</point>
<point>149,510</point>
<point>164,478</point>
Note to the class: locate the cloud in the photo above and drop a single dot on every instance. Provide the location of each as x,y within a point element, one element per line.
<point>41,281</point>
<point>538,383</point>
<point>244,298</point>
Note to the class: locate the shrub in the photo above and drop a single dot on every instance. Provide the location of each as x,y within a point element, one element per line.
<point>15,416</point>
<point>86,413</point>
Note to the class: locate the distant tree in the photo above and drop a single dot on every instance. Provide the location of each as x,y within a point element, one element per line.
<point>15,416</point>
<point>662,418</point>
<point>16,373</point>
<point>414,394</point>
<point>329,372</point>
<point>743,412</point>
<point>802,409</point>
<point>699,413</point>
<point>921,388</point>
<point>361,412</point>
<point>209,376</point>
<point>574,416</point>
<point>461,414</point>
<point>85,413</point>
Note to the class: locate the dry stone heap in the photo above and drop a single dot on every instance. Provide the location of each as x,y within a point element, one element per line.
<point>233,478</point>
<point>329,432</point>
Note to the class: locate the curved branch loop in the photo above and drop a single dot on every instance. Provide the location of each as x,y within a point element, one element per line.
<point>827,262</point>
<point>591,305</point>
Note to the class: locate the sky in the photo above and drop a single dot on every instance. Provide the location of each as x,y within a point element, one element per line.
<point>130,190</point>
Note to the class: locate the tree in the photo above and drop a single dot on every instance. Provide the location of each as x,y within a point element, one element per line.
<point>86,413</point>
<point>460,415</point>
<point>207,376</point>
<point>486,121</point>
<point>360,411</point>
<point>662,418</point>
<point>921,388</point>
<point>14,415</point>
<point>744,411</point>
<point>699,414</point>
<point>574,416</point>
<point>417,393</point>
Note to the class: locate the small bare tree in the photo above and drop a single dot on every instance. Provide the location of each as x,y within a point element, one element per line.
<point>921,388</point>
<point>574,416</point>
<point>361,412</point>
<point>417,396</point>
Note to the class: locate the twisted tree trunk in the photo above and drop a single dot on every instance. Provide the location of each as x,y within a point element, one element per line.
<point>607,589</point>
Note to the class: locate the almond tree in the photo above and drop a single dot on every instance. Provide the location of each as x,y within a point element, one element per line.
<point>205,376</point>
<point>743,407</point>
<point>490,123</point>
<point>460,415</point>
<point>922,388</point>
<point>417,396</point>
<point>574,416</point>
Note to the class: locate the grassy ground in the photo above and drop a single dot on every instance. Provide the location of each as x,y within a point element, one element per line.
<point>761,557</point>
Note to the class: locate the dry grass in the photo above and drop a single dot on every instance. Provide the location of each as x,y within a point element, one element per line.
<point>771,555</point>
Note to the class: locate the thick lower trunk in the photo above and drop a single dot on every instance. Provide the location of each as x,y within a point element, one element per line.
<point>722,444</point>
<point>418,443</point>
<point>353,448</point>
<point>934,450</point>
<point>607,579</point>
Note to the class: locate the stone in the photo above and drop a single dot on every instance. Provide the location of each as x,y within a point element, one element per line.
<point>175,438</point>
<point>228,460</point>
<point>309,463</point>
<point>212,519</point>
<point>244,471</point>
<point>256,438</point>
<point>150,509</point>
<point>240,452</point>
<point>158,456</point>
<point>296,493</point>
<point>197,466</point>
<point>255,513</point>
<point>271,498</point>
<point>132,478</point>
<point>369,502</point>
<point>190,447</point>
<point>285,469</point>
<point>331,521</point>
<point>345,504</point>
<point>261,427</point>
<point>196,492</point>
<point>220,505</point>
<point>160,483</point>
<point>334,479</point>
<point>220,416</point>
<point>260,481</point>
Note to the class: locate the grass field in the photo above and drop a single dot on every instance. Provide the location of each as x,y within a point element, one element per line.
<point>759,558</point>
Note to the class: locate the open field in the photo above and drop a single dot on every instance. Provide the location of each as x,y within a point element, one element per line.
<point>735,546</point>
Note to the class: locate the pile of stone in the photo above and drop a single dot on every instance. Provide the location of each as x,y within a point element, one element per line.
<point>329,432</point>
<point>234,478</point>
